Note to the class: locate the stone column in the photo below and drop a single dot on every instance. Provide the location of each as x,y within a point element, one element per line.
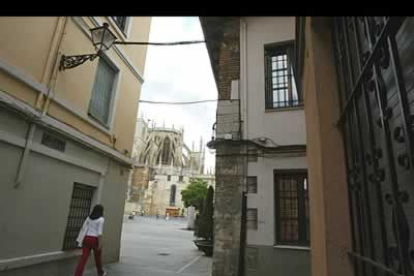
<point>190,217</point>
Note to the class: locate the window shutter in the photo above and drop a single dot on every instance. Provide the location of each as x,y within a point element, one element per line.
<point>102,92</point>
<point>268,81</point>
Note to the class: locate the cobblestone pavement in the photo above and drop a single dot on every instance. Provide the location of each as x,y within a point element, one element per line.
<point>156,247</point>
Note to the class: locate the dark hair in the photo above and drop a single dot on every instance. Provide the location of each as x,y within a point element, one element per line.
<point>97,212</point>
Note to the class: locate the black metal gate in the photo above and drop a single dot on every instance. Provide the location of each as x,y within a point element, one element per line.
<point>80,207</point>
<point>375,66</point>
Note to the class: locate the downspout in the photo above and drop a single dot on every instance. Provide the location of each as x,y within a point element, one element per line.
<point>243,103</point>
<point>57,39</point>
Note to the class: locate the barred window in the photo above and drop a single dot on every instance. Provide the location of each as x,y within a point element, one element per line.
<point>79,209</point>
<point>292,208</point>
<point>280,86</point>
<point>53,142</point>
<point>251,218</point>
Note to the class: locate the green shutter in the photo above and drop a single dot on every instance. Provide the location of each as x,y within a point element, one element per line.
<point>102,92</point>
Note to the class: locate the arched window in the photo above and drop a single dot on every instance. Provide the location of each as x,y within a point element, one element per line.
<point>173,191</point>
<point>166,152</point>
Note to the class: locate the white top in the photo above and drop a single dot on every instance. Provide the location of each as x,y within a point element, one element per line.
<point>95,226</point>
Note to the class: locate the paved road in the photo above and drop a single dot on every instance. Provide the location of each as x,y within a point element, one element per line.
<point>152,247</point>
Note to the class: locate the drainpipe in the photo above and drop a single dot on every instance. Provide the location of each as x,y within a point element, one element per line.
<point>244,73</point>
<point>244,134</point>
<point>57,39</point>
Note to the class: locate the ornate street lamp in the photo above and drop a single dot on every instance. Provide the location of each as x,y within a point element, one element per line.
<point>102,39</point>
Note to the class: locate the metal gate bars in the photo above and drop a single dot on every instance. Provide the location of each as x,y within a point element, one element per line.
<point>375,64</point>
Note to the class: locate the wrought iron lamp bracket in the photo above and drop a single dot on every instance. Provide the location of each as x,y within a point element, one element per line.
<point>69,62</point>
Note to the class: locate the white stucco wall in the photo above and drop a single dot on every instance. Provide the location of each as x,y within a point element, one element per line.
<point>284,127</point>
<point>264,199</point>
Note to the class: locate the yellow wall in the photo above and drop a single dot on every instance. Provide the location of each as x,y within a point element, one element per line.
<point>26,42</point>
<point>32,47</point>
<point>330,224</point>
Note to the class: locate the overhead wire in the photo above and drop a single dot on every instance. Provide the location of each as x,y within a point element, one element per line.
<point>177,103</point>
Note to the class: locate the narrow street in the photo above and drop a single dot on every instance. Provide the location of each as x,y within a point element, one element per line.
<point>152,247</point>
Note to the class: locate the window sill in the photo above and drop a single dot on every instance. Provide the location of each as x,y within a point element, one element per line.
<point>284,109</point>
<point>13,263</point>
<point>100,123</point>
<point>293,247</point>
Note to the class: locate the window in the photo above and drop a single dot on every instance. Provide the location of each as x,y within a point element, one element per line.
<point>292,208</point>
<point>251,219</point>
<point>100,103</point>
<point>252,184</point>
<point>173,192</point>
<point>53,142</point>
<point>121,22</point>
<point>168,177</point>
<point>180,178</point>
<point>166,151</point>
<point>280,86</point>
<point>251,155</point>
<point>79,209</point>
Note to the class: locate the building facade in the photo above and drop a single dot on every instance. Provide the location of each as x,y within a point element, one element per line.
<point>66,137</point>
<point>164,166</point>
<point>357,76</point>
<point>261,211</point>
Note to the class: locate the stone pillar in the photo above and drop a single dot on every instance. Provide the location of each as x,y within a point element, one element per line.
<point>190,217</point>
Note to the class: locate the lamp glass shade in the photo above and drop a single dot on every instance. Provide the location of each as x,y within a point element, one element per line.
<point>102,37</point>
<point>108,39</point>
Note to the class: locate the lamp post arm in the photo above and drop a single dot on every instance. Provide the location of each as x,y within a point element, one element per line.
<point>68,62</point>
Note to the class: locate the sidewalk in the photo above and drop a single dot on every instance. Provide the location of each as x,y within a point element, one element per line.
<point>152,247</point>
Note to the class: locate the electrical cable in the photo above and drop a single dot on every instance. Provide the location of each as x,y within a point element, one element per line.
<point>177,103</point>
<point>160,43</point>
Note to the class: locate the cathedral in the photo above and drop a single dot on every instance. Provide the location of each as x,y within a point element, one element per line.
<point>164,166</point>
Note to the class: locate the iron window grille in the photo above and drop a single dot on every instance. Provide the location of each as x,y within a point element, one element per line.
<point>79,209</point>
<point>120,22</point>
<point>375,65</point>
<point>251,218</point>
<point>53,142</point>
<point>292,208</point>
<point>280,86</point>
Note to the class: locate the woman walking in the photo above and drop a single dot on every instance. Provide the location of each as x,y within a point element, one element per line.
<point>90,238</point>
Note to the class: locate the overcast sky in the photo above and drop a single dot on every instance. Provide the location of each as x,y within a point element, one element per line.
<point>180,73</point>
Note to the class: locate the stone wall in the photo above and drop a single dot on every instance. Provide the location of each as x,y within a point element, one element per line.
<point>136,191</point>
<point>229,162</point>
